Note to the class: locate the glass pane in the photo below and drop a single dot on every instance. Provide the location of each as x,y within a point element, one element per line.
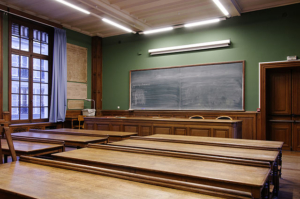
<point>44,89</point>
<point>44,37</point>
<point>25,44</point>
<point>36,113</point>
<point>24,75</point>
<point>15,42</point>
<point>44,111</point>
<point>36,35</point>
<point>15,87</point>
<point>44,77</point>
<point>24,100</point>
<point>36,76</point>
<point>36,64</point>
<point>15,29</point>
<point>24,88</point>
<point>14,100</point>
<point>44,65</point>
<point>24,62</point>
<point>36,88</point>
<point>24,31</point>
<point>36,100</point>
<point>24,113</point>
<point>44,100</point>
<point>15,60</point>
<point>44,49</point>
<point>14,114</point>
<point>15,74</point>
<point>36,47</point>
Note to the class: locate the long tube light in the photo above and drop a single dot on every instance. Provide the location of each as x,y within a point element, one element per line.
<point>221,7</point>
<point>117,25</point>
<point>191,47</point>
<point>200,23</point>
<point>158,30</point>
<point>73,6</point>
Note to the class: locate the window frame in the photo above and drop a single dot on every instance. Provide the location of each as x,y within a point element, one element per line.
<point>41,27</point>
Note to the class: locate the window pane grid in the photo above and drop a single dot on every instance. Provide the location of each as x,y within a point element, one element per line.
<point>22,72</point>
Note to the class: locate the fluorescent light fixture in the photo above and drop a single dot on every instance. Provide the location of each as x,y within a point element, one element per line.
<point>117,25</point>
<point>73,6</point>
<point>158,30</point>
<point>200,23</point>
<point>221,7</point>
<point>191,47</point>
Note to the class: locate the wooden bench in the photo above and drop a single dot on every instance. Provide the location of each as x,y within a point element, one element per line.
<point>29,178</point>
<point>70,140</point>
<point>33,147</point>
<point>113,135</point>
<point>223,175</point>
<point>249,157</point>
<point>40,125</point>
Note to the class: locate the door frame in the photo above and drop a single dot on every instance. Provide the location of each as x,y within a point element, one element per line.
<point>262,135</point>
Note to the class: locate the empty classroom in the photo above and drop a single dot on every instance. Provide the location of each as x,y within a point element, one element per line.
<point>150,99</point>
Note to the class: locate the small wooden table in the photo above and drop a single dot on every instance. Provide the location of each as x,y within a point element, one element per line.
<point>70,140</point>
<point>32,147</point>
<point>113,135</point>
<point>231,176</point>
<point>71,119</point>
<point>38,178</point>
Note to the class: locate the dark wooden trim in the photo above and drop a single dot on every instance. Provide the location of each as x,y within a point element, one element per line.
<point>1,64</point>
<point>263,78</point>
<point>183,66</point>
<point>97,73</point>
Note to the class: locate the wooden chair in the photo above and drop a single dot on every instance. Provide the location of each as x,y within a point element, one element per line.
<point>10,144</point>
<point>224,117</point>
<point>80,119</point>
<point>196,117</point>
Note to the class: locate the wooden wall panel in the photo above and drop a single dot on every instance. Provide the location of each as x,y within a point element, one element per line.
<point>162,130</point>
<point>131,128</point>
<point>221,133</point>
<point>249,118</point>
<point>180,131</point>
<point>103,127</point>
<point>200,132</point>
<point>296,137</point>
<point>282,132</point>
<point>145,130</point>
<point>97,73</point>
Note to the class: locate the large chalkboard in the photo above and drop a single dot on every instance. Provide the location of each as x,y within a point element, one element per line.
<point>218,86</point>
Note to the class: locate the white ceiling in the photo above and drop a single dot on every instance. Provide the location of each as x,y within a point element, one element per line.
<point>139,15</point>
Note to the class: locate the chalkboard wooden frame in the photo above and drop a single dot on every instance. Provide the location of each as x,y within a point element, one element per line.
<point>240,65</point>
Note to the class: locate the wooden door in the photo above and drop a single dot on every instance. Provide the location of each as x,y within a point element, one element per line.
<point>296,108</point>
<point>283,107</point>
<point>279,103</point>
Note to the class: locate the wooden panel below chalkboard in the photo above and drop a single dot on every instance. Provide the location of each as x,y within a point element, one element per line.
<point>218,86</point>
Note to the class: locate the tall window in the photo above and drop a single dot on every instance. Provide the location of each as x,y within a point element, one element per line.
<point>29,71</point>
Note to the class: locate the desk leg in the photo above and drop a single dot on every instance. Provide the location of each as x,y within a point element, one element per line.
<point>275,178</point>
<point>72,123</point>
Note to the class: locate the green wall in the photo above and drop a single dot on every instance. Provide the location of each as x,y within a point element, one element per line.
<point>72,38</point>
<point>262,36</point>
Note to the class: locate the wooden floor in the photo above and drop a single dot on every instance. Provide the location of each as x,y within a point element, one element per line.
<point>290,181</point>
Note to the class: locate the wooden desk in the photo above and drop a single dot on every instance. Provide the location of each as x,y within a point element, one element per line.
<point>174,126</point>
<point>70,140</point>
<point>205,152</point>
<point>38,178</point>
<point>113,135</point>
<point>237,177</point>
<point>226,142</point>
<point>32,148</point>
